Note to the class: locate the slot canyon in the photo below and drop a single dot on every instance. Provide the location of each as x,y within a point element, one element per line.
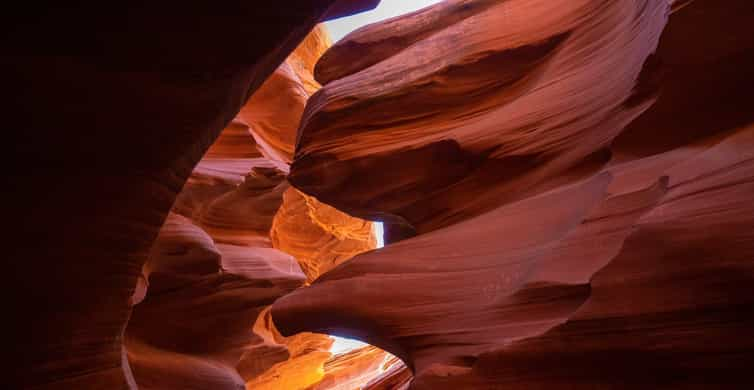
<point>471,194</point>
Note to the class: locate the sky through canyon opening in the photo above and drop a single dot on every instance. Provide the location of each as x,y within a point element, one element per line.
<point>339,28</point>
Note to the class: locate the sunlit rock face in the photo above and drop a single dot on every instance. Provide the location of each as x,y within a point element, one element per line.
<point>578,175</point>
<point>194,324</point>
<point>319,236</point>
<point>238,239</point>
<point>274,111</point>
<point>295,362</point>
<point>354,369</point>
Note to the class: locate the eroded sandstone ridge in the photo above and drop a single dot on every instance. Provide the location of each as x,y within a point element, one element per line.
<point>567,187</point>
<point>498,99</point>
<point>579,178</point>
<point>112,109</point>
<point>319,236</point>
<point>238,239</point>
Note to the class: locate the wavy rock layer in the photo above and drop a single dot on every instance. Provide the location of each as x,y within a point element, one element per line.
<point>108,126</point>
<point>353,369</point>
<point>297,361</point>
<point>213,270</point>
<point>244,215</point>
<point>541,262</point>
<point>395,377</point>
<point>492,98</point>
<point>565,282</point>
<point>108,122</point>
<point>319,236</point>
<point>673,293</point>
<point>572,227</point>
<point>274,111</point>
<point>206,298</point>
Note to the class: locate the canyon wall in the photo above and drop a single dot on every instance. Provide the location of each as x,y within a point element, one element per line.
<point>110,110</point>
<point>566,186</point>
<point>569,185</point>
<point>237,239</point>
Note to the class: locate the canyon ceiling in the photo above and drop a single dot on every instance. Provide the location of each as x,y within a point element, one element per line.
<point>567,190</point>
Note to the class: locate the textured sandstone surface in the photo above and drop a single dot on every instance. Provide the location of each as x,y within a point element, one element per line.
<point>492,98</point>
<point>213,271</point>
<point>355,368</point>
<point>202,298</point>
<point>317,235</point>
<point>111,111</point>
<point>273,112</point>
<point>583,208</point>
<point>567,187</point>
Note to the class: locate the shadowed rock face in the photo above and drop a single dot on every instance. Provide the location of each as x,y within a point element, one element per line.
<point>564,267</point>
<point>202,298</point>
<point>111,110</point>
<point>567,187</point>
<point>274,111</point>
<point>213,272</point>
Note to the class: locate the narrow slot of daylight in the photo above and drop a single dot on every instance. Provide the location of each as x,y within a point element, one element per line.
<point>343,345</point>
<point>378,228</point>
<point>339,28</point>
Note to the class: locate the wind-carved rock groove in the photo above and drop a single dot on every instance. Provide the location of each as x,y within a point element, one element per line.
<point>549,250</point>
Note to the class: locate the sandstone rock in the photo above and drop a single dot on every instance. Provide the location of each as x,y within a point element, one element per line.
<point>202,300</point>
<point>472,104</point>
<point>397,377</point>
<point>111,110</point>
<point>274,111</point>
<point>564,270</point>
<point>244,215</point>
<point>505,244</point>
<point>352,369</point>
<point>567,187</point>
<point>300,364</point>
<point>318,236</point>
<point>555,273</point>
<point>231,198</point>
<point>674,289</point>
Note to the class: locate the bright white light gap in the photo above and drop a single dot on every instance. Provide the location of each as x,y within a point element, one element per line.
<point>387,9</point>
<point>379,233</point>
<point>343,345</point>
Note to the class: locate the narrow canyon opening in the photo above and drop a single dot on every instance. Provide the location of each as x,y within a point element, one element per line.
<point>386,9</point>
<point>238,237</point>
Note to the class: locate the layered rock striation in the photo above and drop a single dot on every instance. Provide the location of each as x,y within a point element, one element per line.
<point>112,109</point>
<point>574,226</point>
<point>567,188</point>
<point>501,100</point>
<point>216,267</point>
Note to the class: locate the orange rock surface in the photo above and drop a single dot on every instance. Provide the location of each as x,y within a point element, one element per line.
<point>569,231</point>
<point>508,110</point>
<point>317,235</point>
<point>274,111</point>
<point>112,110</point>
<point>214,270</point>
<point>566,185</point>
<point>194,324</point>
